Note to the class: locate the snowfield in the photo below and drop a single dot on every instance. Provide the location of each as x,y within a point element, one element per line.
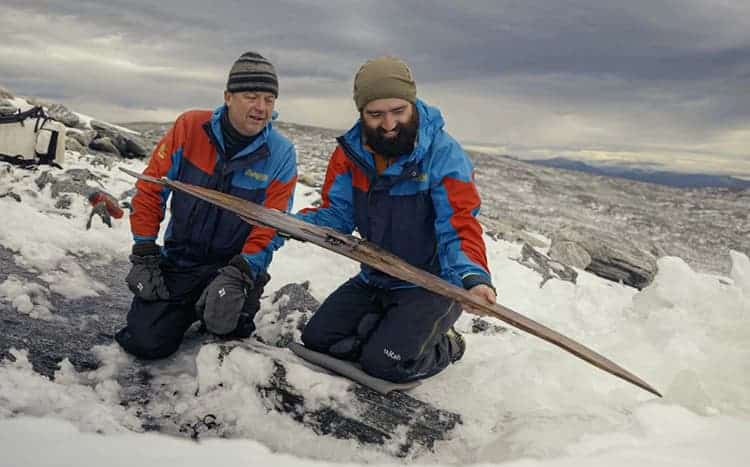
<point>523,401</point>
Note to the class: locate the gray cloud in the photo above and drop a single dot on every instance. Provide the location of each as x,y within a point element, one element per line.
<point>659,77</point>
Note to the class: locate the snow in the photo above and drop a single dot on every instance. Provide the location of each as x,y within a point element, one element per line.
<point>523,401</point>
<point>684,439</point>
<point>86,121</point>
<point>24,105</point>
<point>20,103</point>
<point>740,273</point>
<point>27,298</point>
<point>50,243</point>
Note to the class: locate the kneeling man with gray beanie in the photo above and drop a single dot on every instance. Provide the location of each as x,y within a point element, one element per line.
<point>406,185</point>
<point>212,265</point>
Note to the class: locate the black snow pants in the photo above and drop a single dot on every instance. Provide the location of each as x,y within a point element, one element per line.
<point>155,329</point>
<point>397,335</point>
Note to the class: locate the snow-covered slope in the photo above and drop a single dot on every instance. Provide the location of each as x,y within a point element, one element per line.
<point>523,402</point>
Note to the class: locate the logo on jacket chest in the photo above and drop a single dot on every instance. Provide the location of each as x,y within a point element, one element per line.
<point>261,177</point>
<point>162,152</point>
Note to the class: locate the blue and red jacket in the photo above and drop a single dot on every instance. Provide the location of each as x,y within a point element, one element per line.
<point>423,207</point>
<point>264,172</point>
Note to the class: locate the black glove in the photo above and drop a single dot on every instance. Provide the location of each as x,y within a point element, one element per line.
<point>230,301</point>
<point>145,279</point>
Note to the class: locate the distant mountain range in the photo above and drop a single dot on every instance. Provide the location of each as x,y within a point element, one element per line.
<point>660,177</point>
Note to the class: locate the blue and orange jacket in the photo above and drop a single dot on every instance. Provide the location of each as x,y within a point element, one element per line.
<point>423,207</point>
<point>264,172</point>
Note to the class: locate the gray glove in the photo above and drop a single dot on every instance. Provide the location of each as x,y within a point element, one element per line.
<point>223,300</point>
<point>145,279</point>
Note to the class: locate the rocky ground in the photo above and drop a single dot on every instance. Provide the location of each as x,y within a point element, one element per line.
<point>698,225</point>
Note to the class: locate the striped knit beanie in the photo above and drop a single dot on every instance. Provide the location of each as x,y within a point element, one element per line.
<point>253,72</point>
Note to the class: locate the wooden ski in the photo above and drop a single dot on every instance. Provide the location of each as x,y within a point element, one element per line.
<point>372,255</point>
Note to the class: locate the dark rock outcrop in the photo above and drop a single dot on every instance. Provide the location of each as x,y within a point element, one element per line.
<point>481,325</point>
<point>498,229</point>
<point>546,267</point>
<point>63,115</point>
<point>105,144</point>
<point>295,306</point>
<point>570,253</point>
<point>72,144</point>
<point>614,258</point>
<point>85,137</point>
<point>71,181</point>
<point>127,144</point>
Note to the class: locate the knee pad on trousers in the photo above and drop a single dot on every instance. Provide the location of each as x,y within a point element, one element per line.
<point>145,348</point>
<point>314,340</point>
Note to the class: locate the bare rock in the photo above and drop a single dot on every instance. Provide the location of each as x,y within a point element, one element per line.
<point>44,179</point>
<point>85,137</point>
<point>12,195</point>
<point>64,202</point>
<point>546,267</point>
<point>307,179</point>
<point>102,160</point>
<point>136,148</point>
<point>614,258</point>
<point>127,144</point>
<point>7,108</point>
<point>72,144</point>
<point>499,229</point>
<point>63,115</point>
<point>71,181</point>
<point>105,144</point>
<point>483,326</point>
<point>283,323</point>
<point>570,253</point>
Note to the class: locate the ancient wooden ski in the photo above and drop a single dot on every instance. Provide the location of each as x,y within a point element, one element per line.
<point>372,255</point>
<point>349,370</point>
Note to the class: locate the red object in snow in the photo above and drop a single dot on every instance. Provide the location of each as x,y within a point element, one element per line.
<point>113,207</point>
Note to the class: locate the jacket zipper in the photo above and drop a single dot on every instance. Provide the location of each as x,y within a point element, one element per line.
<point>409,172</point>
<point>223,183</point>
<point>371,175</point>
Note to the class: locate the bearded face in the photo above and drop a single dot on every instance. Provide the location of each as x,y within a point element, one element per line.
<point>390,126</point>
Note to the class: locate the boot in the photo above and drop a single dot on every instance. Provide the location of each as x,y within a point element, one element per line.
<point>456,344</point>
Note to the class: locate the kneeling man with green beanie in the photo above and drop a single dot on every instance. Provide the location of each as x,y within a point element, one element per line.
<point>406,185</point>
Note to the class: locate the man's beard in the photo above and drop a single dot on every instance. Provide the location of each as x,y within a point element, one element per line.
<point>391,148</point>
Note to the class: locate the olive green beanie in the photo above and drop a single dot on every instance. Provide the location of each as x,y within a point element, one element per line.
<point>382,78</point>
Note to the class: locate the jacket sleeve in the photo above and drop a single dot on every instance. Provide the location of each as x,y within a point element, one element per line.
<point>263,241</point>
<point>150,199</point>
<point>336,209</point>
<point>461,248</point>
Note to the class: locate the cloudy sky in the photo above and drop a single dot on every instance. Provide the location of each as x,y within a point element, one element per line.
<point>641,81</point>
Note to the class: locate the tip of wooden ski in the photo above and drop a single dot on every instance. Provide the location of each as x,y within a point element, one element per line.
<point>646,387</point>
<point>145,177</point>
<point>129,172</point>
